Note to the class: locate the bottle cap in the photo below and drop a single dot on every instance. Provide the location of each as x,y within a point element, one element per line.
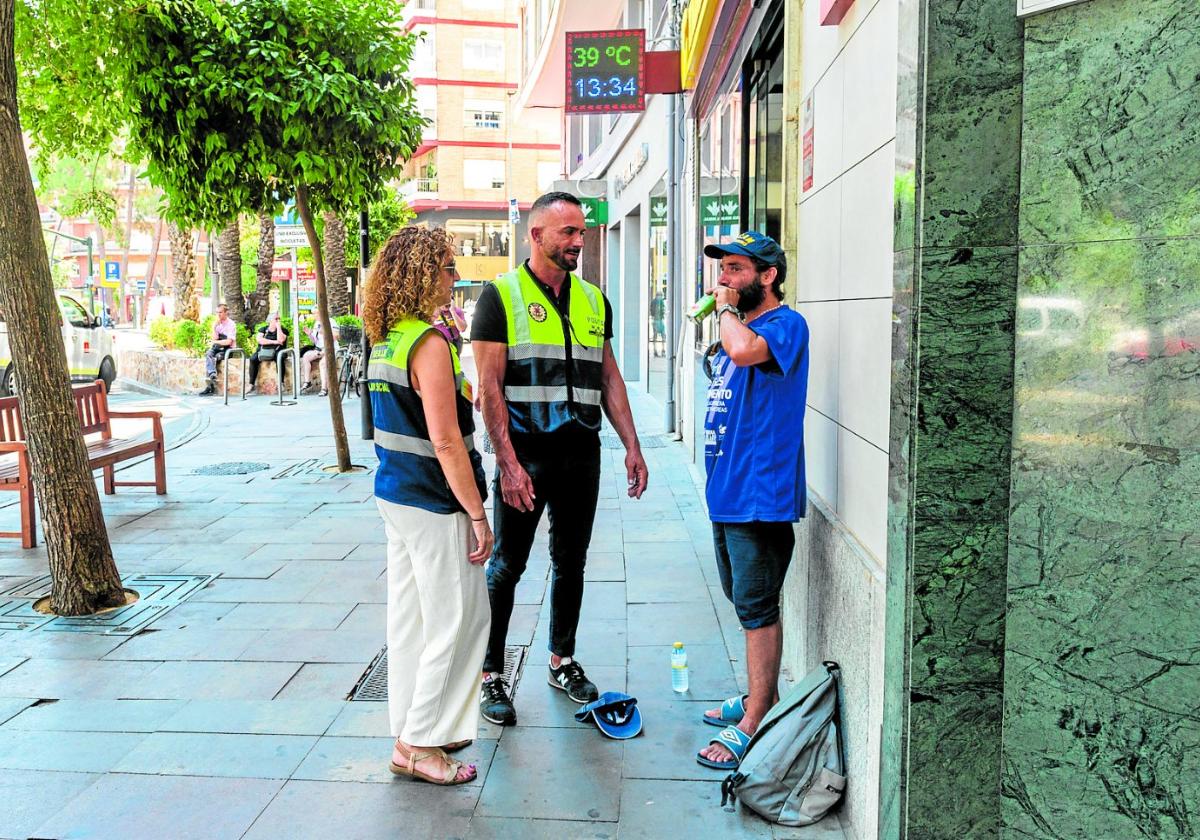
<point>679,646</point>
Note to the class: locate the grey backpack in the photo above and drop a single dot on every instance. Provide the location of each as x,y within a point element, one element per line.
<point>793,771</point>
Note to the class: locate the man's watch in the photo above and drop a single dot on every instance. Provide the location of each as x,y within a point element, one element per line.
<point>728,307</point>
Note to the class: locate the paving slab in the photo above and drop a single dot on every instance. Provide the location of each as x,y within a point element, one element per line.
<point>319,681</point>
<point>306,810</point>
<point>52,645</point>
<point>317,646</point>
<point>254,717</point>
<point>506,828</point>
<point>710,675</point>
<point>62,678</point>
<point>664,624</point>
<point>363,617</point>
<point>31,796</point>
<point>136,807</point>
<point>192,643</point>
<point>87,752</point>
<point>554,774</point>
<point>217,754</point>
<point>10,707</point>
<point>657,809</point>
<point>287,616</point>
<point>91,715</point>
<point>213,681</point>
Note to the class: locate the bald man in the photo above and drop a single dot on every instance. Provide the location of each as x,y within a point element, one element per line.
<point>540,336</point>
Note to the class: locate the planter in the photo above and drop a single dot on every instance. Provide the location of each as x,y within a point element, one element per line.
<point>173,371</point>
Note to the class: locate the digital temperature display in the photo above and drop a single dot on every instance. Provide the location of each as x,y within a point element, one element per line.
<point>606,71</point>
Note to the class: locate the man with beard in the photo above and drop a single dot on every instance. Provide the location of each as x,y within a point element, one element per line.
<point>754,459</point>
<point>540,337</point>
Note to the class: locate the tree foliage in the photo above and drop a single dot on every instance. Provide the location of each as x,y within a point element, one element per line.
<point>235,105</point>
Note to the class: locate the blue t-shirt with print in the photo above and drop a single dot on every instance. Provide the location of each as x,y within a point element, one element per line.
<point>754,427</point>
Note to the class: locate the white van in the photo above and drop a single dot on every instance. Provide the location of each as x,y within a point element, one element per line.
<point>89,346</point>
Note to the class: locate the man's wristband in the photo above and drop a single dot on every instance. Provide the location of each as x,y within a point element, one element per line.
<point>480,519</point>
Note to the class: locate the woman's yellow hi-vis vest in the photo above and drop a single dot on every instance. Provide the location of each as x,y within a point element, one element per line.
<point>554,367</point>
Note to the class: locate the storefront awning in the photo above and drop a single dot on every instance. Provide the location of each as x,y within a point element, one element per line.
<point>545,86</point>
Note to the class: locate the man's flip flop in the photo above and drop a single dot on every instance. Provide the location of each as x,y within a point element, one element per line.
<point>732,711</point>
<point>732,739</point>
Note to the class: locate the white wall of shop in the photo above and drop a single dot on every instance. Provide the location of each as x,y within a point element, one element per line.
<point>843,286</point>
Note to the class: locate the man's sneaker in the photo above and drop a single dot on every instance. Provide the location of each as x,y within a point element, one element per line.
<point>251,388</point>
<point>494,703</point>
<point>570,678</point>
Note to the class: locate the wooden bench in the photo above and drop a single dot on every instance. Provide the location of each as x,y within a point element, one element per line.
<point>91,408</point>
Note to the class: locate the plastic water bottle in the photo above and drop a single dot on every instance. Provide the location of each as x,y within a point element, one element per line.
<point>679,672</point>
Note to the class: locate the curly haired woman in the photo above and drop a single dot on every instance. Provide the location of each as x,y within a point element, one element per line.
<point>430,491</point>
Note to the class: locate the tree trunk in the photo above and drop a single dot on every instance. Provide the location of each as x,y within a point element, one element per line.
<point>335,394</point>
<point>128,244</point>
<point>183,275</point>
<point>152,265</point>
<point>335,262</point>
<point>84,575</point>
<point>229,258</point>
<point>260,298</point>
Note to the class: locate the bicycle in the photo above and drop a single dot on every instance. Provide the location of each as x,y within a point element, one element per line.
<point>350,370</point>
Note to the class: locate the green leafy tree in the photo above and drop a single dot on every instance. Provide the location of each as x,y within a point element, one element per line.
<point>239,107</point>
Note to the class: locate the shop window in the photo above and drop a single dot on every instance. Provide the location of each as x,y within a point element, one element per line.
<point>762,126</point>
<point>483,174</point>
<point>483,54</point>
<point>479,238</point>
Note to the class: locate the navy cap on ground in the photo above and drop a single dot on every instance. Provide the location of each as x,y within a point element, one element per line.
<point>615,713</point>
<point>751,244</point>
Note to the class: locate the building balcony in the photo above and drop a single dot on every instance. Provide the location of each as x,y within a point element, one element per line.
<point>419,189</point>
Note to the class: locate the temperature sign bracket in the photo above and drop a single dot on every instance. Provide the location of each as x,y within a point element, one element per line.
<point>606,71</point>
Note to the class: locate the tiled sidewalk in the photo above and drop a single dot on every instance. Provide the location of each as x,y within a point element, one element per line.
<point>227,717</point>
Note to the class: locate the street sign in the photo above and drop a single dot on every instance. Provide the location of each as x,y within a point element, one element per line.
<point>606,71</point>
<point>514,211</point>
<point>112,275</point>
<point>595,211</point>
<point>719,210</point>
<point>289,215</point>
<point>141,286</point>
<point>658,211</point>
<point>290,236</point>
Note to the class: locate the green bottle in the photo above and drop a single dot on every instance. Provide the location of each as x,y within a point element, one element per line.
<point>703,308</point>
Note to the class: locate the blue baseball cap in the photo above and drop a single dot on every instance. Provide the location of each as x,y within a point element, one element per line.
<point>752,244</point>
<point>615,713</point>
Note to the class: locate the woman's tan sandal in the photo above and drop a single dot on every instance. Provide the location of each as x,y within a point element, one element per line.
<point>455,746</point>
<point>450,777</point>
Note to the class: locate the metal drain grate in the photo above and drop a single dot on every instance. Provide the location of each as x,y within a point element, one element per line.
<point>232,468</point>
<point>314,467</point>
<point>157,595</point>
<point>372,685</point>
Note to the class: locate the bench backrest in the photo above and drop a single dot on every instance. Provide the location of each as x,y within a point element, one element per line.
<point>11,429</point>
<point>91,409</point>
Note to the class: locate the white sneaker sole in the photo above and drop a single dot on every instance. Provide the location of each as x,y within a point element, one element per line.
<point>551,681</point>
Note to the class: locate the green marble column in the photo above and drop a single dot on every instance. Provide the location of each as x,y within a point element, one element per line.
<point>958,168</point>
<point>1102,674</point>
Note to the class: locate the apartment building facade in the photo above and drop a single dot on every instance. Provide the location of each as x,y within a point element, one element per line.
<point>474,157</point>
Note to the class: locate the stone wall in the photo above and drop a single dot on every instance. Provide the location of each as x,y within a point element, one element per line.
<point>171,370</point>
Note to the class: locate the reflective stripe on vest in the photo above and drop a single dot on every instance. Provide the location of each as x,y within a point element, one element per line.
<point>409,472</point>
<point>543,392</point>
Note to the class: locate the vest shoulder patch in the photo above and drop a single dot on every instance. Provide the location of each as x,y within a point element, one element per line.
<point>537,312</point>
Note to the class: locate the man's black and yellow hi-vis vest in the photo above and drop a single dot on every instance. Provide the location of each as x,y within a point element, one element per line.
<point>409,472</point>
<point>553,373</point>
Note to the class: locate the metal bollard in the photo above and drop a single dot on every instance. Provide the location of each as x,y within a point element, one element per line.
<point>279,357</point>
<point>242,354</point>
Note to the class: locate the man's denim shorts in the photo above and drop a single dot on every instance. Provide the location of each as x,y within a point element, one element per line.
<point>752,560</point>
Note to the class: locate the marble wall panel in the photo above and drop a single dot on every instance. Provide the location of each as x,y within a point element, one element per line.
<point>1113,99</point>
<point>1102,716</point>
<point>972,105</point>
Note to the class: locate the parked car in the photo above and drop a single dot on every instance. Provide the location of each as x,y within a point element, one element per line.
<point>89,346</point>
